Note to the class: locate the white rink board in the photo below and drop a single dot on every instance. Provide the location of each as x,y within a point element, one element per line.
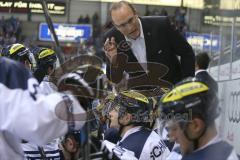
<point>229,96</point>
<point>229,121</point>
<point>236,69</point>
<point>213,71</point>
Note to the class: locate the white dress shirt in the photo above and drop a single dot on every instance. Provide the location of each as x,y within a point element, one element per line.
<point>200,70</point>
<point>139,48</point>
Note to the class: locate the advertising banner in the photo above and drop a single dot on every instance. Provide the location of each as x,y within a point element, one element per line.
<point>21,6</point>
<point>65,32</point>
<point>203,42</point>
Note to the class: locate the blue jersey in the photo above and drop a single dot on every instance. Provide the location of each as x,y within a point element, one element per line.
<point>13,74</point>
<point>219,151</point>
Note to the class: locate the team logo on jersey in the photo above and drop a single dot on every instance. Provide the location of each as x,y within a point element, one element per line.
<point>158,150</point>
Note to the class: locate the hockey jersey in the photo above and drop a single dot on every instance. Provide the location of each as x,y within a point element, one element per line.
<point>145,144</point>
<point>216,148</point>
<point>220,150</point>
<point>50,150</point>
<point>27,114</point>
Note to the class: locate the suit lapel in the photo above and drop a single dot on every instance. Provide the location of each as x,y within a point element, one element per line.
<point>148,38</point>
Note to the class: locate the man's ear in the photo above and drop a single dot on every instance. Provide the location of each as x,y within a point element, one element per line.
<point>197,127</point>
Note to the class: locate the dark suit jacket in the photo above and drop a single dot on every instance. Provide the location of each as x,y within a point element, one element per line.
<point>163,46</point>
<point>206,78</point>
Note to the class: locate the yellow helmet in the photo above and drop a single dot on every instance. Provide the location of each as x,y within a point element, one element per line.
<point>17,52</point>
<point>46,56</point>
<point>134,103</point>
<point>192,96</point>
<point>106,103</point>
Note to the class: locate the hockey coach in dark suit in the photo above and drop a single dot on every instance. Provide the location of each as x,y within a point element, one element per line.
<point>149,49</point>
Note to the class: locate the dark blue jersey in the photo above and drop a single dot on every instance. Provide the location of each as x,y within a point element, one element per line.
<point>13,74</point>
<point>217,151</point>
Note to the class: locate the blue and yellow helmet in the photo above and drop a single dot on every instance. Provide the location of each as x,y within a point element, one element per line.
<point>45,56</point>
<point>134,103</point>
<point>17,52</point>
<point>191,96</point>
<point>106,103</point>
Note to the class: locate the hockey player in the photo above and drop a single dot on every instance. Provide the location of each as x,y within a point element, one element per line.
<point>27,114</point>
<point>19,52</point>
<point>46,59</point>
<point>130,114</point>
<point>193,106</point>
<point>46,63</point>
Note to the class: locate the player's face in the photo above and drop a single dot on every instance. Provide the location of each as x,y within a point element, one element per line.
<point>71,145</point>
<point>113,116</point>
<point>27,64</point>
<point>172,128</point>
<point>126,21</point>
<point>177,134</point>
